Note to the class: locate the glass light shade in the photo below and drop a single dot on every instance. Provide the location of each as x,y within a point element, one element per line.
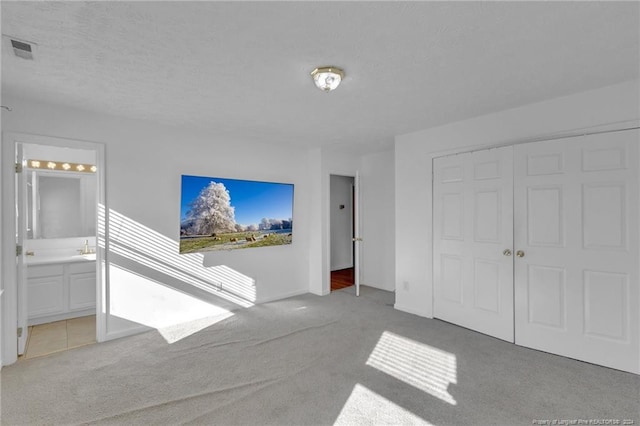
<point>327,78</point>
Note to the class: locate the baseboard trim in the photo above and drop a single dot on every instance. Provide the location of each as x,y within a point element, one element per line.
<point>282,296</point>
<point>411,311</point>
<point>392,290</point>
<point>126,333</point>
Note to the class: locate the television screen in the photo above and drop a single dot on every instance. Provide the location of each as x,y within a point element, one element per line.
<point>227,214</point>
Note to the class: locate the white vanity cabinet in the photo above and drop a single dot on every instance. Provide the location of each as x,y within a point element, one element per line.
<point>60,291</point>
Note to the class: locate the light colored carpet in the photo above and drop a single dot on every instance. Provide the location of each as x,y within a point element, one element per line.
<point>313,360</point>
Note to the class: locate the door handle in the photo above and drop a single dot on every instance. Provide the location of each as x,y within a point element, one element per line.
<point>357,239</point>
<point>520,253</point>
<point>507,252</point>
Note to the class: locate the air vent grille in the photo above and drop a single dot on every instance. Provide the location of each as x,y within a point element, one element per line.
<point>22,49</point>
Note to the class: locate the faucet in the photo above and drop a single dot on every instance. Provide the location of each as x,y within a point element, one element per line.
<point>86,249</point>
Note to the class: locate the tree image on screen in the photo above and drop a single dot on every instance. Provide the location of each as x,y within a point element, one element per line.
<point>227,214</point>
<point>211,211</point>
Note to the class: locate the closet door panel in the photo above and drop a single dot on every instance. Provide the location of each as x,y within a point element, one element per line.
<point>576,222</point>
<point>473,226</point>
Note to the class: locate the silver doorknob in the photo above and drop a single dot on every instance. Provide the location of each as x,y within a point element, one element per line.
<point>507,252</point>
<point>357,239</point>
<point>520,253</point>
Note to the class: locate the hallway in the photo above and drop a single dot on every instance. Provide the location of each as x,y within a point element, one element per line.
<point>342,278</point>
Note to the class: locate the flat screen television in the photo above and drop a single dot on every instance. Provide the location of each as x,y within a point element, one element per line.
<point>228,214</point>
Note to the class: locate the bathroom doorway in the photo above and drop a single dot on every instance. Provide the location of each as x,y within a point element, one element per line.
<point>58,193</point>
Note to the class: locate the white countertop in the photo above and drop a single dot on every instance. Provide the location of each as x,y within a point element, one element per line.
<point>45,260</point>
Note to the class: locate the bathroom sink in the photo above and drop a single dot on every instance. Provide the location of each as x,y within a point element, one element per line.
<point>40,260</point>
<point>90,256</point>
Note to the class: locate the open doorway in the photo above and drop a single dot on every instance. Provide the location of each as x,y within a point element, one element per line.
<point>342,231</point>
<point>56,196</point>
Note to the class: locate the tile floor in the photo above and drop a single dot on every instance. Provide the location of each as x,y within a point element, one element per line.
<point>59,336</point>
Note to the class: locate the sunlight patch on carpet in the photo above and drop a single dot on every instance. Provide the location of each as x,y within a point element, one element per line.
<point>422,366</point>
<point>364,406</point>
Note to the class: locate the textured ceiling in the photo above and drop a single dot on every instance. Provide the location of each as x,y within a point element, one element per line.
<point>241,69</point>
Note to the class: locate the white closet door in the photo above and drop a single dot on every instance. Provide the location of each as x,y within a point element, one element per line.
<point>473,238</point>
<point>576,223</point>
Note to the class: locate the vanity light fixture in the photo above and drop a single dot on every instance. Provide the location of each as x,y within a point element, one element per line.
<point>327,78</point>
<point>63,167</point>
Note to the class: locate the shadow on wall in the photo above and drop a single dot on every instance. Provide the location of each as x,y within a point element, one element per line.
<point>151,284</point>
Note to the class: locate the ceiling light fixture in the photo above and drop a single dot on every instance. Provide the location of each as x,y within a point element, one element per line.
<point>327,78</point>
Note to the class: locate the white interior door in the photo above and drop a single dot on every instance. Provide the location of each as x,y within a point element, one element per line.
<point>576,284</point>
<point>21,228</point>
<point>472,242</point>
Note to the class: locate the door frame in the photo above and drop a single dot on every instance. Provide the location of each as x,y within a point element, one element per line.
<point>9,270</point>
<point>326,281</point>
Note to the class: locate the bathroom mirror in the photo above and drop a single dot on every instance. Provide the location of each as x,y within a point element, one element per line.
<point>60,204</point>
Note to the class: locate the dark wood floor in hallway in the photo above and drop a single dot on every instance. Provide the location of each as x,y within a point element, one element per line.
<point>342,278</point>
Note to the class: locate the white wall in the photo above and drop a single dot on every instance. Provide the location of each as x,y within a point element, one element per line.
<point>54,153</point>
<point>341,222</point>
<point>377,257</point>
<point>317,276</point>
<point>145,275</point>
<point>376,183</point>
<point>144,162</point>
<point>323,163</point>
<point>611,106</point>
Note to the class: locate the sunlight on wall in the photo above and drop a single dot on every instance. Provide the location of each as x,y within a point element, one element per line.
<point>367,407</point>
<point>174,314</point>
<point>151,284</point>
<point>422,366</point>
<point>147,247</point>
